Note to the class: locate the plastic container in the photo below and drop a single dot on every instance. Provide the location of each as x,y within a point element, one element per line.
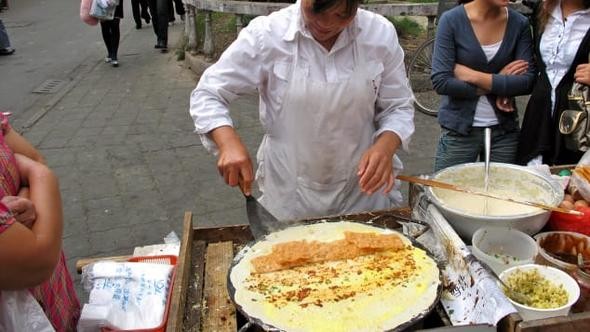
<point>570,223</point>
<point>555,276</point>
<point>560,249</point>
<point>163,259</point>
<point>502,248</point>
<point>583,279</point>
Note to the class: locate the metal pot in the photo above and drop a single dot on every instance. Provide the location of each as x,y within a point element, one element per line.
<point>505,176</point>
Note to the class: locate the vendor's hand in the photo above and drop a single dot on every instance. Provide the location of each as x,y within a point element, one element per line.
<point>505,104</point>
<point>582,74</point>
<point>516,67</point>
<point>234,162</point>
<point>22,209</point>
<point>375,168</point>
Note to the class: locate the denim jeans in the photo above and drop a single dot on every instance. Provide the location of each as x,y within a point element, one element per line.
<point>4,41</point>
<point>454,148</point>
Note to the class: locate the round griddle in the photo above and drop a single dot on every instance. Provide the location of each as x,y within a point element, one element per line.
<point>269,327</point>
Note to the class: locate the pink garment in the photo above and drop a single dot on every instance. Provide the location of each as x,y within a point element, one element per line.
<point>57,295</point>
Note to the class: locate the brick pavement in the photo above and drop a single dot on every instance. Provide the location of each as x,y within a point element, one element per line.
<point>122,142</point>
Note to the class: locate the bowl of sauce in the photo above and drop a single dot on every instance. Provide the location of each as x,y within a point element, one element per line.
<point>560,249</point>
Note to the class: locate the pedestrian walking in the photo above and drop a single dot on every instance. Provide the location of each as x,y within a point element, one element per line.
<point>159,11</point>
<point>482,53</point>
<point>179,6</point>
<point>139,8</point>
<point>111,35</point>
<point>562,44</point>
<point>5,48</point>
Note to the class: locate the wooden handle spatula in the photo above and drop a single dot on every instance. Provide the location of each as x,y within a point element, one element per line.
<point>448,186</point>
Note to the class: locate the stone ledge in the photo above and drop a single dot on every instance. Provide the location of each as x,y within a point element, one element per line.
<point>197,63</point>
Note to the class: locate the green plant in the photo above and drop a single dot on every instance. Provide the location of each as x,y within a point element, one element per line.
<point>181,48</point>
<point>406,27</point>
<point>247,18</point>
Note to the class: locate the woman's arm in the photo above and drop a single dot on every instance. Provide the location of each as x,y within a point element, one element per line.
<point>394,116</point>
<point>238,71</point>
<point>582,74</point>
<point>28,257</point>
<point>506,83</point>
<point>517,85</point>
<point>18,144</point>
<point>443,63</point>
<point>21,207</point>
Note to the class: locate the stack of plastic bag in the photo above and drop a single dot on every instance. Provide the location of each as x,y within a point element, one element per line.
<point>125,295</point>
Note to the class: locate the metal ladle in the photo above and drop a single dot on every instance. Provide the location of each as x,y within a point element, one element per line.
<point>487,145</point>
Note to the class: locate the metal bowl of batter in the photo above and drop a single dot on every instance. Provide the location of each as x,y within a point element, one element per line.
<point>465,212</point>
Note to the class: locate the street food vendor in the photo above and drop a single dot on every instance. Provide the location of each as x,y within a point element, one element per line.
<point>335,106</point>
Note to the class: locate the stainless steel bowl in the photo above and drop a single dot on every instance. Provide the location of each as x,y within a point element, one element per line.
<point>465,223</point>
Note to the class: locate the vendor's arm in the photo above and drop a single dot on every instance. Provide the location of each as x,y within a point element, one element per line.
<point>394,119</point>
<point>444,60</point>
<point>375,167</point>
<point>233,163</point>
<point>237,72</point>
<point>28,256</point>
<point>515,79</point>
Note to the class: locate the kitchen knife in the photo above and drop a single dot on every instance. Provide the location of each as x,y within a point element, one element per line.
<point>261,221</point>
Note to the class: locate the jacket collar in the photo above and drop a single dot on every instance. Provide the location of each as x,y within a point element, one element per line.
<point>558,15</point>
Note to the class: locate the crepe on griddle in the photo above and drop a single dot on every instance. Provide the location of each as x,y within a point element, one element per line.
<point>298,253</point>
<point>385,286</point>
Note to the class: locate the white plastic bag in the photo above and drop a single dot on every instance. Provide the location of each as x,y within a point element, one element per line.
<point>125,295</point>
<point>103,9</point>
<point>19,311</point>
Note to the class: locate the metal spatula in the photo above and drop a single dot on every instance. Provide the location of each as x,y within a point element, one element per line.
<point>261,221</point>
<point>487,145</point>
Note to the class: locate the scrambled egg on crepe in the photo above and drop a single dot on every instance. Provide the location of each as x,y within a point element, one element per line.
<point>341,276</point>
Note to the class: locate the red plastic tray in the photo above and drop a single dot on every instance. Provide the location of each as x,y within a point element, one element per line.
<point>571,223</point>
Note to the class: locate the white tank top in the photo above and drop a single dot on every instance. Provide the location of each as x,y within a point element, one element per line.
<point>485,116</point>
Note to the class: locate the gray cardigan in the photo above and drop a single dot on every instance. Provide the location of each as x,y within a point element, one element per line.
<point>456,43</point>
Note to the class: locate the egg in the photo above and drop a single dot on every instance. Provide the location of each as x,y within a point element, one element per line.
<point>580,203</point>
<point>567,205</point>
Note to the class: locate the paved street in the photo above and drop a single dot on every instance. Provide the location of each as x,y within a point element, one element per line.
<point>51,44</point>
<point>122,142</point>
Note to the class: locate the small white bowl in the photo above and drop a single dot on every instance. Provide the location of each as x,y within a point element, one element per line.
<point>502,248</point>
<point>557,277</point>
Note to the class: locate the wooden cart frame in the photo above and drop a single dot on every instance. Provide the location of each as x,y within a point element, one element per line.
<point>200,301</point>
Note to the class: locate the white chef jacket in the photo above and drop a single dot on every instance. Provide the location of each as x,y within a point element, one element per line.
<point>560,42</point>
<point>260,60</point>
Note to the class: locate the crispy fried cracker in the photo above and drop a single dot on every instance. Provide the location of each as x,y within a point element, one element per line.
<point>298,253</point>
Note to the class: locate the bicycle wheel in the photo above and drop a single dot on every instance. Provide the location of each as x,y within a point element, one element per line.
<point>418,71</point>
